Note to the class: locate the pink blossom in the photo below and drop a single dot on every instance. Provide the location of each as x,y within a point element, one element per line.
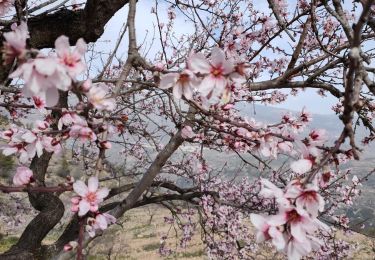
<point>8,134</point>
<point>285,146</point>
<point>299,221</point>
<point>43,77</point>
<point>39,102</point>
<point>105,145</point>
<point>187,132</point>
<point>72,60</point>
<point>15,45</point>
<point>70,246</point>
<point>40,126</point>
<point>13,148</point>
<point>183,83</point>
<point>317,137</point>
<point>23,176</point>
<point>98,96</point>
<point>266,231</point>
<point>35,145</point>
<point>355,180</point>
<point>68,118</point>
<point>270,190</point>
<point>5,5</point>
<point>217,70</point>
<point>100,222</point>
<point>305,116</point>
<point>301,166</point>
<point>309,155</point>
<point>83,132</point>
<point>90,195</point>
<point>306,198</point>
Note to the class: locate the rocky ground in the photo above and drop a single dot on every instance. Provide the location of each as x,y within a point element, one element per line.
<point>137,236</point>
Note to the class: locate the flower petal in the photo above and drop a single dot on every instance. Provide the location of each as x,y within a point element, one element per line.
<point>84,207</point>
<point>80,188</point>
<point>102,193</point>
<point>93,184</point>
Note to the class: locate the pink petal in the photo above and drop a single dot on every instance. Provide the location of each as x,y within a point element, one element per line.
<point>52,97</point>
<point>177,91</point>
<point>301,166</point>
<point>102,193</point>
<point>199,64</point>
<point>297,231</point>
<point>29,137</point>
<point>217,57</point>
<point>168,80</point>
<point>258,221</point>
<point>62,46</point>
<point>84,207</point>
<point>80,188</point>
<point>188,91</point>
<point>45,66</point>
<point>207,85</point>
<point>93,184</point>
<point>81,46</point>
<point>277,238</point>
<point>101,221</point>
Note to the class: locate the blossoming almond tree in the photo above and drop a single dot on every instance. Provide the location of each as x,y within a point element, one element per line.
<point>146,108</point>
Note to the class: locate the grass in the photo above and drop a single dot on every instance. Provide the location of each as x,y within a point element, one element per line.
<point>151,247</point>
<point>138,235</point>
<point>192,254</point>
<point>7,242</point>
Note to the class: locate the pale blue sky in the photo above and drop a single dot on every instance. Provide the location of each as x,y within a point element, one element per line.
<point>145,22</point>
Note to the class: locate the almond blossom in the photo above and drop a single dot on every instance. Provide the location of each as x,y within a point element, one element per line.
<point>268,232</point>
<point>39,102</point>
<point>43,77</point>
<point>15,42</point>
<point>216,71</point>
<point>5,5</point>
<point>23,176</point>
<point>70,246</point>
<point>72,60</point>
<point>100,222</point>
<point>89,195</point>
<point>26,144</point>
<point>183,83</point>
<point>83,132</point>
<point>187,132</point>
<point>296,220</point>
<point>317,137</point>
<point>306,196</point>
<point>98,96</point>
<point>69,118</point>
<point>310,154</point>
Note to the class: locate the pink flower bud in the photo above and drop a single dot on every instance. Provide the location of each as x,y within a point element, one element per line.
<point>23,176</point>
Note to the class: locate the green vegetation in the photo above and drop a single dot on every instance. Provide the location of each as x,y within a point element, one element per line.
<point>193,254</point>
<point>6,165</point>
<point>7,242</point>
<point>63,170</point>
<point>151,247</point>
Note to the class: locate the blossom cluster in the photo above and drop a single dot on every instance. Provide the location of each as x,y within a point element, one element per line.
<point>213,78</point>
<point>45,75</point>
<point>28,143</point>
<point>88,200</point>
<point>292,229</point>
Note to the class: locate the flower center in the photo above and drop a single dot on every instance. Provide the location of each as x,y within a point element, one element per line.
<point>69,60</point>
<point>293,216</point>
<point>91,197</point>
<point>309,195</point>
<point>184,78</point>
<point>217,72</point>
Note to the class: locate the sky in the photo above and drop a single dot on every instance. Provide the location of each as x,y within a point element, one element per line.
<point>145,23</point>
